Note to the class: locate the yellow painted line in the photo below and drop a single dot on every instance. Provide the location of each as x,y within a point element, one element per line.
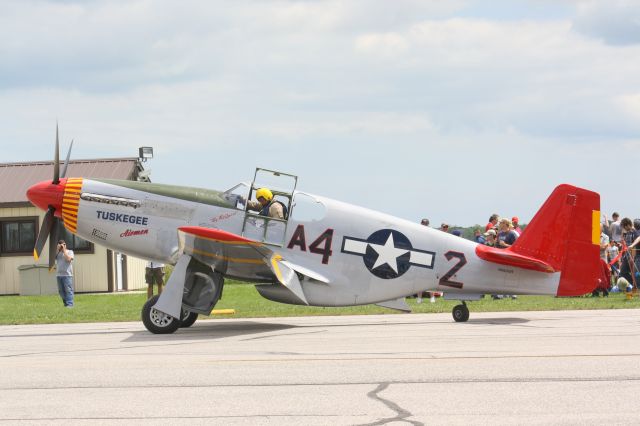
<point>595,227</point>
<point>230,259</point>
<point>223,312</point>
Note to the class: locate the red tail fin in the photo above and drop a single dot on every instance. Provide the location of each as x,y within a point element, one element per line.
<point>565,233</point>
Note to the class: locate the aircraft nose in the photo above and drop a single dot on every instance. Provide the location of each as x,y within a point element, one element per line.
<point>46,193</point>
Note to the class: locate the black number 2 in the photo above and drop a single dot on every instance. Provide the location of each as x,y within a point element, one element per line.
<point>445,280</point>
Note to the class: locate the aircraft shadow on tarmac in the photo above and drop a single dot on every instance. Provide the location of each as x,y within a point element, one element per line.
<point>207,330</point>
<point>498,321</point>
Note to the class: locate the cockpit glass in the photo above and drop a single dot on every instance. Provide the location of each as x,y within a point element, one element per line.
<point>307,208</point>
<point>237,195</point>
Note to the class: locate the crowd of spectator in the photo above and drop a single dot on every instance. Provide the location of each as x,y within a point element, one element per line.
<point>618,241</point>
<point>619,247</point>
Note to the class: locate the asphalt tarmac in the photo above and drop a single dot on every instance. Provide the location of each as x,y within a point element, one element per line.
<point>563,367</point>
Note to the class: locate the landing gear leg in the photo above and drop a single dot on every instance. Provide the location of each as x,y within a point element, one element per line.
<point>460,312</point>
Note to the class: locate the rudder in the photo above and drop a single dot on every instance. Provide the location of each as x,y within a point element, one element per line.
<point>565,233</point>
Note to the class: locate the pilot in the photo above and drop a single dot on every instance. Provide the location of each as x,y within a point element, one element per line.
<point>267,206</point>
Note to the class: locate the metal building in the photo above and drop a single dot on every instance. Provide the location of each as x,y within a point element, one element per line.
<point>96,268</point>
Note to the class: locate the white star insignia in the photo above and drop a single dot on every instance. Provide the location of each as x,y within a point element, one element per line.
<point>388,253</point>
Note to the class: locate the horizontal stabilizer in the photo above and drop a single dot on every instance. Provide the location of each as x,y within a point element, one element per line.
<point>509,258</point>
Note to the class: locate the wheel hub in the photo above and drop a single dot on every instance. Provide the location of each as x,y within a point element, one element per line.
<point>160,318</point>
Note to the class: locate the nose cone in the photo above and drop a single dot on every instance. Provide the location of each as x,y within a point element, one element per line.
<point>45,194</point>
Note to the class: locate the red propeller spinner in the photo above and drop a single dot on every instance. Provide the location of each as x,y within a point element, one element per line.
<point>47,194</point>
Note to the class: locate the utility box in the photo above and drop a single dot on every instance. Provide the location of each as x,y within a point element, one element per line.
<point>36,280</point>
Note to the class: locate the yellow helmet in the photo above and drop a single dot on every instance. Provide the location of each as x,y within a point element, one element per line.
<point>264,193</point>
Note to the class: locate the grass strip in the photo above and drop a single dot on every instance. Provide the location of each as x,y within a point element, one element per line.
<point>247,303</point>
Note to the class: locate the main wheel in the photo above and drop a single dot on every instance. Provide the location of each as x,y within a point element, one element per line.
<point>188,318</point>
<point>460,313</point>
<point>158,322</point>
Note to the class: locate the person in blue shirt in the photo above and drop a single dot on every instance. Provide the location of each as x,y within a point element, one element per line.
<point>506,235</point>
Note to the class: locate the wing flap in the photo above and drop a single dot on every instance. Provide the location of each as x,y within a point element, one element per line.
<point>288,277</point>
<point>306,271</point>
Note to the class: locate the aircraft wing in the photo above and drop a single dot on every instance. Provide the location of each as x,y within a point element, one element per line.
<point>237,256</point>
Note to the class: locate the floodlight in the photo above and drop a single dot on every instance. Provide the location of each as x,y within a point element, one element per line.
<point>145,152</point>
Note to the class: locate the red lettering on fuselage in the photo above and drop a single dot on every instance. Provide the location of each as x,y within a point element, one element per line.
<point>298,239</point>
<point>321,245</point>
<point>131,233</point>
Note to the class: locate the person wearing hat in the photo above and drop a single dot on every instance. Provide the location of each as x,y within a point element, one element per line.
<point>64,273</point>
<point>490,238</point>
<point>516,227</point>
<point>444,227</point>
<point>266,205</point>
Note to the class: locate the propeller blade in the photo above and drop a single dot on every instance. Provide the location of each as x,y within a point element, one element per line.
<point>45,230</point>
<point>66,162</point>
<point>53,242</point>
<point>56,161</point>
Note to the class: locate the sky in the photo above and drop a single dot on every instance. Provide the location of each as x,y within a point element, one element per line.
<point>449,110</point>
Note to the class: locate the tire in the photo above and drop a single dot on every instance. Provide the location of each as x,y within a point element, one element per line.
<point>188,318</point>
<point>158,322</point>
<point>460,313</point>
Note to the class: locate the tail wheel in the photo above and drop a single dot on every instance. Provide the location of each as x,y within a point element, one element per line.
<point>188,318</point>
<point>460,313</point>
<point>156,321</point>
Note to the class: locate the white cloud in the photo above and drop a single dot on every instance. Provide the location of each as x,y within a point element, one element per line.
<point>616,22</point>
<point>448,115</point>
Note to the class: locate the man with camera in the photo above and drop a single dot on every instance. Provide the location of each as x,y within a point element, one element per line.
<point>64,273</point>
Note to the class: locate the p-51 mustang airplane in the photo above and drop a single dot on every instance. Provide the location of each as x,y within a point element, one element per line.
<point>324,253</point>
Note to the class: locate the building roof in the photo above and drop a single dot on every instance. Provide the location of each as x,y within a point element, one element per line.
<point>16,178</point>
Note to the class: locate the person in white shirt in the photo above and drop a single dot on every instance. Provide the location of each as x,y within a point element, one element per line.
<point>615,228</point>
<point>64,274</point>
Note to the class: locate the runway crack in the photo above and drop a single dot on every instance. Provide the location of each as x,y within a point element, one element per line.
<point>402,414</point>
